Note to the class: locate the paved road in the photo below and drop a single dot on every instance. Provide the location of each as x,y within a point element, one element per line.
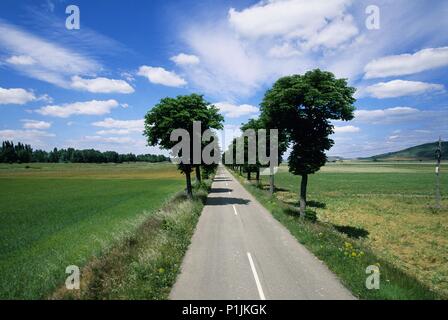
<point>239,251</point>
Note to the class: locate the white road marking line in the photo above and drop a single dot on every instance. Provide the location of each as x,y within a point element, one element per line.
<point>257,281</point>
<point>234,209</point>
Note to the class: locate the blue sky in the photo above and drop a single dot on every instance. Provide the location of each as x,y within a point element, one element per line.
<point>90,88</point>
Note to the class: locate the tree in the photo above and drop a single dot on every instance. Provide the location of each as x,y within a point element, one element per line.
<point>180,113</point>
<point>255,125</point>
<point>302,107</point>
<point>8,152</point>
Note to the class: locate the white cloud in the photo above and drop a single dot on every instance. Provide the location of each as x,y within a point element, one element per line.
<point>101,85</point>
<point>113,132</point>
<point>183,59</point>
<point>286,50</point>
<point>300,19</point>
<point>16,96</point>
<point>255,45</point>
<point>51,62</point>
<point>237,54</point>
<point>120,126</point>
<point>128,76</point>
<point>378,116</point>
<point>159,75</point>
<point>405,64</point>
<point>400,88</point>
<point>112,140</point>
<point>228,67</point>
<point>346,129</point>
<point>334,34</point>
<point>35,138</point>
<point>92,107</point>
<point>21,60</point>
<point>45,98</point>
<point>231,110</point>
<point>226,135</point>
<point>35,124</point>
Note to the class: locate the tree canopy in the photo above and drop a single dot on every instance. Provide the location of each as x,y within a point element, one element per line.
<point>302,108</point>
<point>180,113</point>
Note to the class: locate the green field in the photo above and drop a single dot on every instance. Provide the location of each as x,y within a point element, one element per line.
<point>56,215</point>
<point>385,206</point>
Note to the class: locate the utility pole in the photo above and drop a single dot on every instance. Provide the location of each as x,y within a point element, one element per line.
<point>438,158</point>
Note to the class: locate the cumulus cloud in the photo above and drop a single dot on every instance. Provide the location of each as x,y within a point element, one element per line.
<point>161,76</point>
<point>256,45</point>
<point>183,59</point>
<point>399,88</point>
<point>101,85</point>
<point>405,64</point>
<point>16,96</point>
<point>395,114</point>
<point>231,110</point>
<point>300,19</point>
<point>120,127</point>
<point>35,124</point>
<point>93,107</point>
<point>346,129</point>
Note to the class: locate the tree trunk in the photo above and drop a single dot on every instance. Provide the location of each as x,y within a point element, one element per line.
<point>189,188</point>
<point>258,175</point>
<point>241,170</point>
<point>303,195</point>
<point>248,175</point>
<point>271,183</point>
<point>198,174</point>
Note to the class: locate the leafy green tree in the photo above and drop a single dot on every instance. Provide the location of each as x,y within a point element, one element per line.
<point>255,125</point>
<point>8,152</point>
<point>302,108</point>
<point>180,113</point>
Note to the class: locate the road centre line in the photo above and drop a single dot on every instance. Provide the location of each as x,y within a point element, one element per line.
<point>257,281</point>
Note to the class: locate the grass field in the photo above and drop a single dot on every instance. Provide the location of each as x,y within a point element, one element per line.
<point>56,215</point>
<point>384,206</point>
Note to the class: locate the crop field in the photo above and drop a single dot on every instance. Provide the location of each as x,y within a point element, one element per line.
<point>56,215</point>
<point>387,206</point>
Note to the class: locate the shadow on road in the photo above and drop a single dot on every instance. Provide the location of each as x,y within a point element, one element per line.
<point>222,201</point>
<point>221,179</point>
<point>220,190</point>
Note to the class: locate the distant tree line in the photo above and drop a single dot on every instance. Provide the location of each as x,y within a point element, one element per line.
<point>23,153</point>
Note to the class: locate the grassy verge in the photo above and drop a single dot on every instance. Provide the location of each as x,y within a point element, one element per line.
<point>144,265</point>
<point>348,258</point>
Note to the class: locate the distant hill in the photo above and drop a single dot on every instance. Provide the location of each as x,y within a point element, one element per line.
<point>334,158</point>
<point>421,152</point>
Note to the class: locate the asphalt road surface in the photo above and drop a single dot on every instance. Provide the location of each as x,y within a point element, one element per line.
<point>239,251</point>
